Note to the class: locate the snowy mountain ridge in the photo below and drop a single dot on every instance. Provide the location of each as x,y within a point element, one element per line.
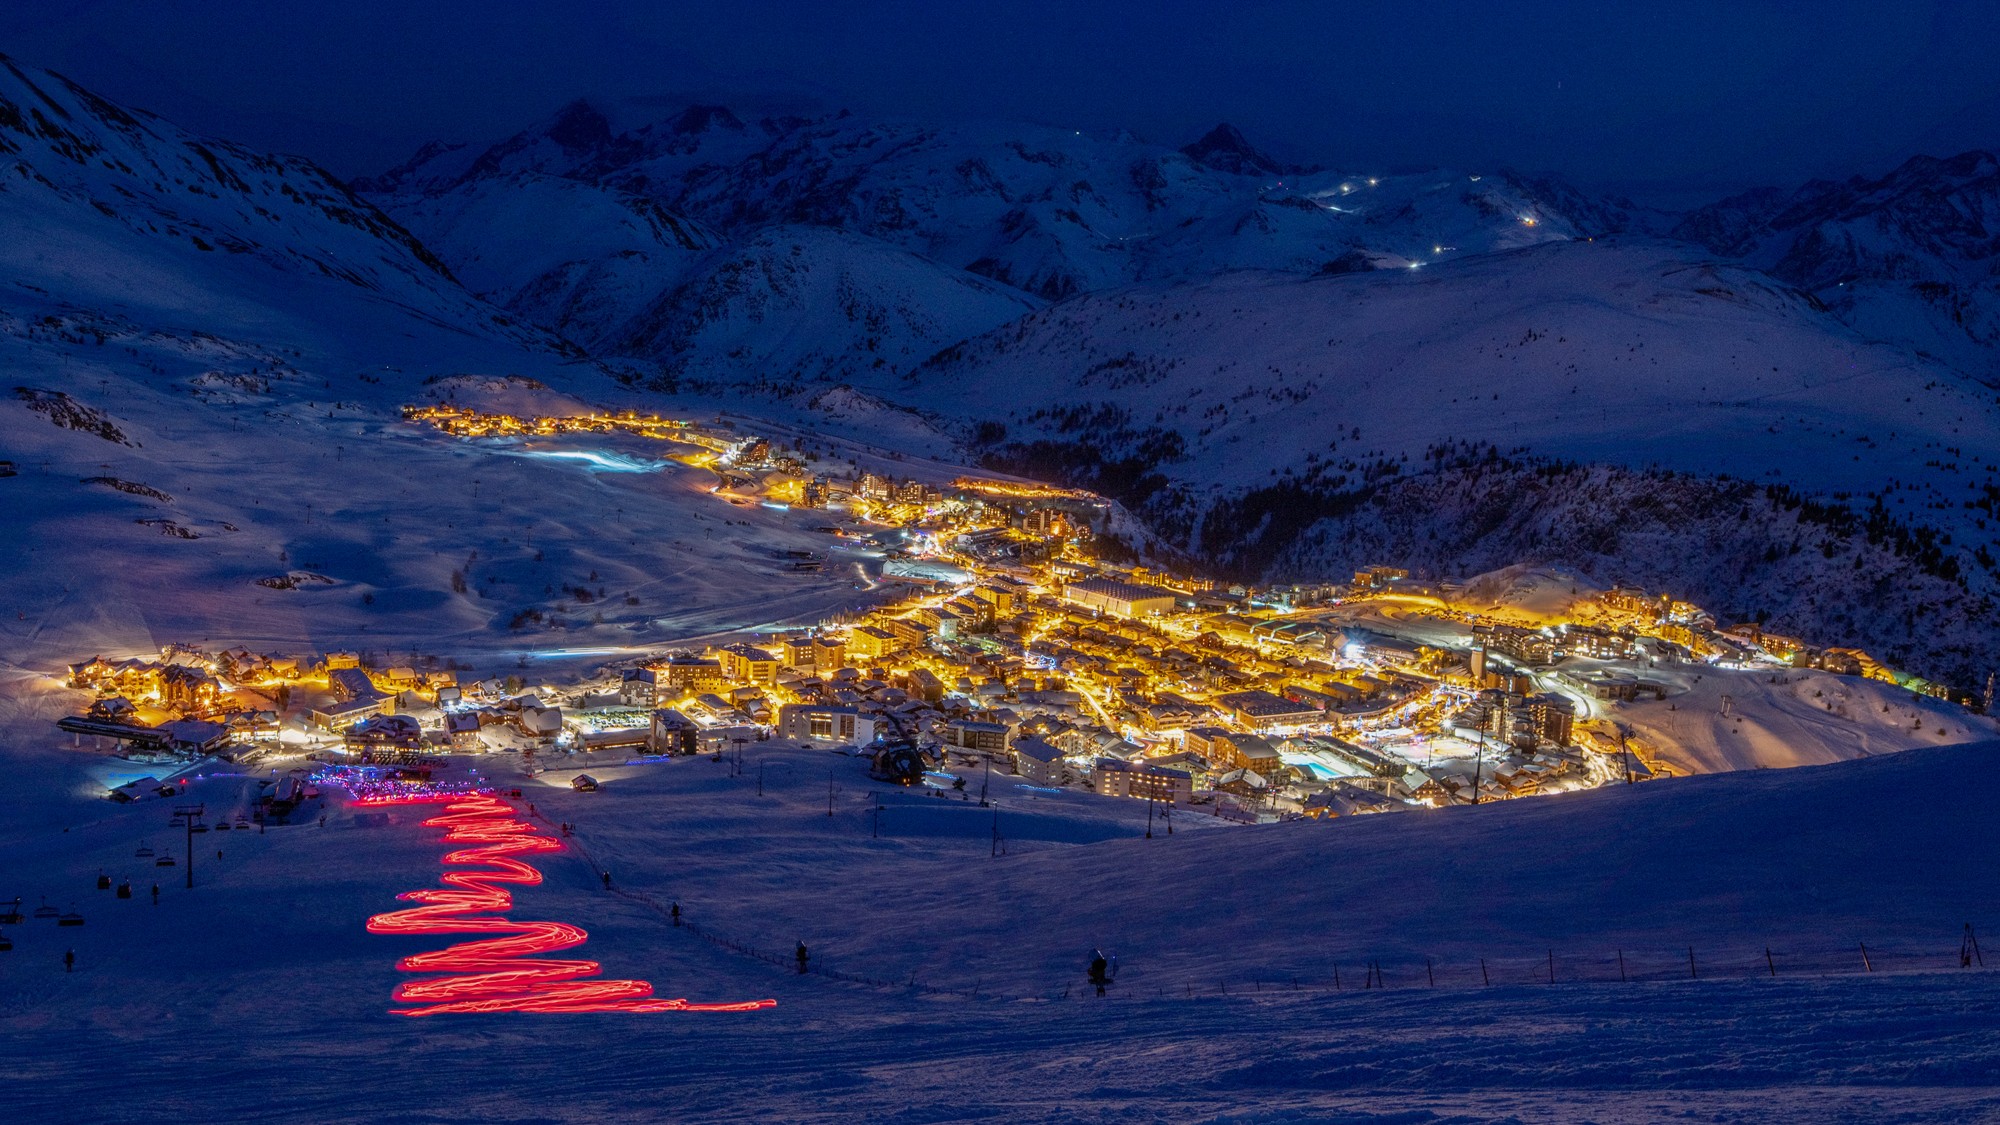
<point>1912,256</point>
<point>66,147</point>
<point>1907,257</point>
<point>1049,211</point>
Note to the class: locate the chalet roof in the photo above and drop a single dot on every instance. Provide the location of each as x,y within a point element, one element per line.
<point>194,732</point>
<point>1037,749</point>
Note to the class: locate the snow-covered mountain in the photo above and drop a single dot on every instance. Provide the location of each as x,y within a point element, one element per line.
<point>1049,211</point>
<point>578,258</point>
<point>1912,256</point>
<point>799,304</point>
<point>109,207</point>
<point>1057,212</point>
<point>1635,409</point>
<point>575,227</point>
<point>1683,950</point>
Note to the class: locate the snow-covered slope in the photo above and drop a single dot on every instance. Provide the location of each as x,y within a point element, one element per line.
<point>496,233</point>
<point>1627,352</point>
<point>1407,409</point>
<point>1225,1007</point>
<point>577,258</point>
<point>793,304</point>
<point>1912,256</point>
<point>1803,859</point>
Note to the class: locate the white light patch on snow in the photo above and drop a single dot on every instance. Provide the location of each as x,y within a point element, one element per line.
<point>595,461</point>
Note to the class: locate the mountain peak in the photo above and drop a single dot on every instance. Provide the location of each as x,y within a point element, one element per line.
<point>409,169</point>
<point>579,126</point>
<point>1225,149</point>
<point>702,118</point>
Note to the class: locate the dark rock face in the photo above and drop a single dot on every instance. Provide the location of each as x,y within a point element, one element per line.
<point>1225,149</point>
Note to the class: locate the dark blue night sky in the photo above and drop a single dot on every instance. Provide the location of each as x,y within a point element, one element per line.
<point>1657,99</point>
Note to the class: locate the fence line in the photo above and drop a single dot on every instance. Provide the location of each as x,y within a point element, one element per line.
<point>1406,971</point>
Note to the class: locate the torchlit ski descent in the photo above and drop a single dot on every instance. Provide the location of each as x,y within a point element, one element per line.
<point>503,974</point>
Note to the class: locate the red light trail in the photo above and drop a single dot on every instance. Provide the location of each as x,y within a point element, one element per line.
<point>503,973</point>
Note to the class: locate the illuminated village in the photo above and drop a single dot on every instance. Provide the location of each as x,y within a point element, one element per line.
<point>1004,649</point>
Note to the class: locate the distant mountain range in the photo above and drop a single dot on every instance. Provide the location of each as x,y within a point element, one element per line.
<point>1912,258</point>
<point>1779,404</point>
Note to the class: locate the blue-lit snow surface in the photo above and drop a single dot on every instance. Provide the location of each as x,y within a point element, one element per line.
<point>594,460</point>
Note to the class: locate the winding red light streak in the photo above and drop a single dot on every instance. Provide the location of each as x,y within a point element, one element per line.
<point>503,973</point>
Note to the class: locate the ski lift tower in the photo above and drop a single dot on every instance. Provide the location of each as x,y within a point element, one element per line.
<point>1478,762</point>
<point>189,817</point>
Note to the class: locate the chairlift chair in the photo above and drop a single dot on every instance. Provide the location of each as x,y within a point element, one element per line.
<point>6,944</point>
<point>10,913</point>
<point>125,888</point>
<point>222,827</point>
<point>71,918</point>
<point>165,861</point>
<point>144,852</point>
<point>103,881</point>
<point>46,911</point>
